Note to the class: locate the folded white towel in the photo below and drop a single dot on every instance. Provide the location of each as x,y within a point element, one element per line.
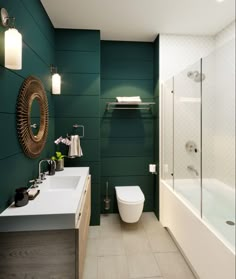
<point>133,99</point>
<point>75,149</point>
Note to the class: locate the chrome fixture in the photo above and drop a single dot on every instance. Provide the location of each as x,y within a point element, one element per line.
<point>107,200</point>
<point>196,76</point>
<point>191,146</point>
<point>76,126</point>
<point>42,174</point>
<point>12,42</point>
<point>34,126</point>
<point>35,183</point>
<point>231,223</point>
<point>192,168</point>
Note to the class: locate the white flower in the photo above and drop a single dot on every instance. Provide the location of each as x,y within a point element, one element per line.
<point>66,141</point>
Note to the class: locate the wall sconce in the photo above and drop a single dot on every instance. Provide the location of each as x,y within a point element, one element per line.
<point>13,42</point>
<point>56,81</point>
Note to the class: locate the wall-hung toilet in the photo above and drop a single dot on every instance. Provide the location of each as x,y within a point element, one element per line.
<point>130,200</point>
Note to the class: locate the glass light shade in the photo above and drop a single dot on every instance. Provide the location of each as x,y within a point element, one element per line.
<point>13,49</point>
<point>56,84</point>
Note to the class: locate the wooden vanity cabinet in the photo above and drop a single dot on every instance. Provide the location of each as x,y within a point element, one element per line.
<point>49,254</point>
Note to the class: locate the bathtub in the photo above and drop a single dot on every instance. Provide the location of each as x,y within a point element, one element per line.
<point>208,243</point>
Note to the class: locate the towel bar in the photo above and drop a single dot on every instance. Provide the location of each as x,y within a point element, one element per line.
<point>129,105</point>
<point>76,126</point>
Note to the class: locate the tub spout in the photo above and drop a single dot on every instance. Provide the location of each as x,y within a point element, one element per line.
<point>192,168</point>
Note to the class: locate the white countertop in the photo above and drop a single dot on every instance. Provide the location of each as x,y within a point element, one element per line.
<point>51,209</point>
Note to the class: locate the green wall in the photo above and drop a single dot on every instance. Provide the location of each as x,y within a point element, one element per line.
<point>38,53</point>
<point>118,145</point>
<point>127,136</point>
<point>78,61</point>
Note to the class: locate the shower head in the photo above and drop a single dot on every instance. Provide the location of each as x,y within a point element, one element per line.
<point>196,76</point>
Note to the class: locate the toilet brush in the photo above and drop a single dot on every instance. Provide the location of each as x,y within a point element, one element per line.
<point>107,200</point>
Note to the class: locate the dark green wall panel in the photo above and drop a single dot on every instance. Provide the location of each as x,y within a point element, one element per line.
<point>80,84</point>
<point>126,135</point>
<point>77,106</point>
<point>125,166</point>
<point>9,144</point>
<point>35,8</point>
<point>38,53</point>
<point>78,62</point>
<point>29,62</point>
<point>126,127</point>
<point>64,126</point>
<point>130,51</point>
<point>117,69</point>
<point>79,40</point>
<point>145,182</point>
<point>95,195</point>
<point>9,90</point>
<point>91,150</point>
<point>122,147</point>
<point>113,88</point>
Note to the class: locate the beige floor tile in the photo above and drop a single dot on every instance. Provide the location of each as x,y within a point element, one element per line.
<point>136,243</point>
<point>110,246</point>
<point>94,232</point>
<point>91,267</point>
<point>112,267</point>
<point>132,229</point>
<point>143,265</point>
<point>111,231</point>
<point>110,219</point>
<point>161,242</point>
<point>150,222</point>
<point>92,249</point>
<point>173,266</point>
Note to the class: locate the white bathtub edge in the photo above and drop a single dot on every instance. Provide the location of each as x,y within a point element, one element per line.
<point>208,255</point>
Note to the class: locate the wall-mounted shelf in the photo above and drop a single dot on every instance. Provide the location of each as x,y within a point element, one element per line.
<point>129,105</point>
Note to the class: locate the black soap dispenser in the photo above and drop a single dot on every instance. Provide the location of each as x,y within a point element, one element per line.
<point>51,167</point>
<point>21,197</point>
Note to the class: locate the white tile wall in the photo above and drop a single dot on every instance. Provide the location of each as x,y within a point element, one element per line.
<point>176,54</point>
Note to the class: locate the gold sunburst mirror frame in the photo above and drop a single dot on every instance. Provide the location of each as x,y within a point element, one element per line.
<point>32,90</point>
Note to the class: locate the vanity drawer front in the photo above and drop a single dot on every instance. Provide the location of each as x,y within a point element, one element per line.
<point>38,254</point>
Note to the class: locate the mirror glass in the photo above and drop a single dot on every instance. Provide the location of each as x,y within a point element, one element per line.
<point>35,117</point>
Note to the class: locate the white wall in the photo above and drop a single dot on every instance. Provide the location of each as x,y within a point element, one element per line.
<point>177,52</point>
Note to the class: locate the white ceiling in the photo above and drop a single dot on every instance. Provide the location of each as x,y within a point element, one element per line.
<point>141,20</point>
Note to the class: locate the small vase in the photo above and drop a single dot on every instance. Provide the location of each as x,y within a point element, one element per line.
<point>60,165</point>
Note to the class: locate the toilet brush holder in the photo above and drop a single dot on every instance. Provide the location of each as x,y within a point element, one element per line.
<point>107,204</point>
<point>107,200</point>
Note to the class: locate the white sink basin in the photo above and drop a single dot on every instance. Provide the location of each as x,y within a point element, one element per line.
<point>63,182</point>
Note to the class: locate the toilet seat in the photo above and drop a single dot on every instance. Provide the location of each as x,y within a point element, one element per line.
<point>129,195</point>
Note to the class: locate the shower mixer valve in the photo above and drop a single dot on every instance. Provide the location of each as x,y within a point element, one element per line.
<point>191,147</point>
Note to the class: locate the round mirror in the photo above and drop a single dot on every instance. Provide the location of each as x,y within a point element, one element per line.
<point>32,117</point>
